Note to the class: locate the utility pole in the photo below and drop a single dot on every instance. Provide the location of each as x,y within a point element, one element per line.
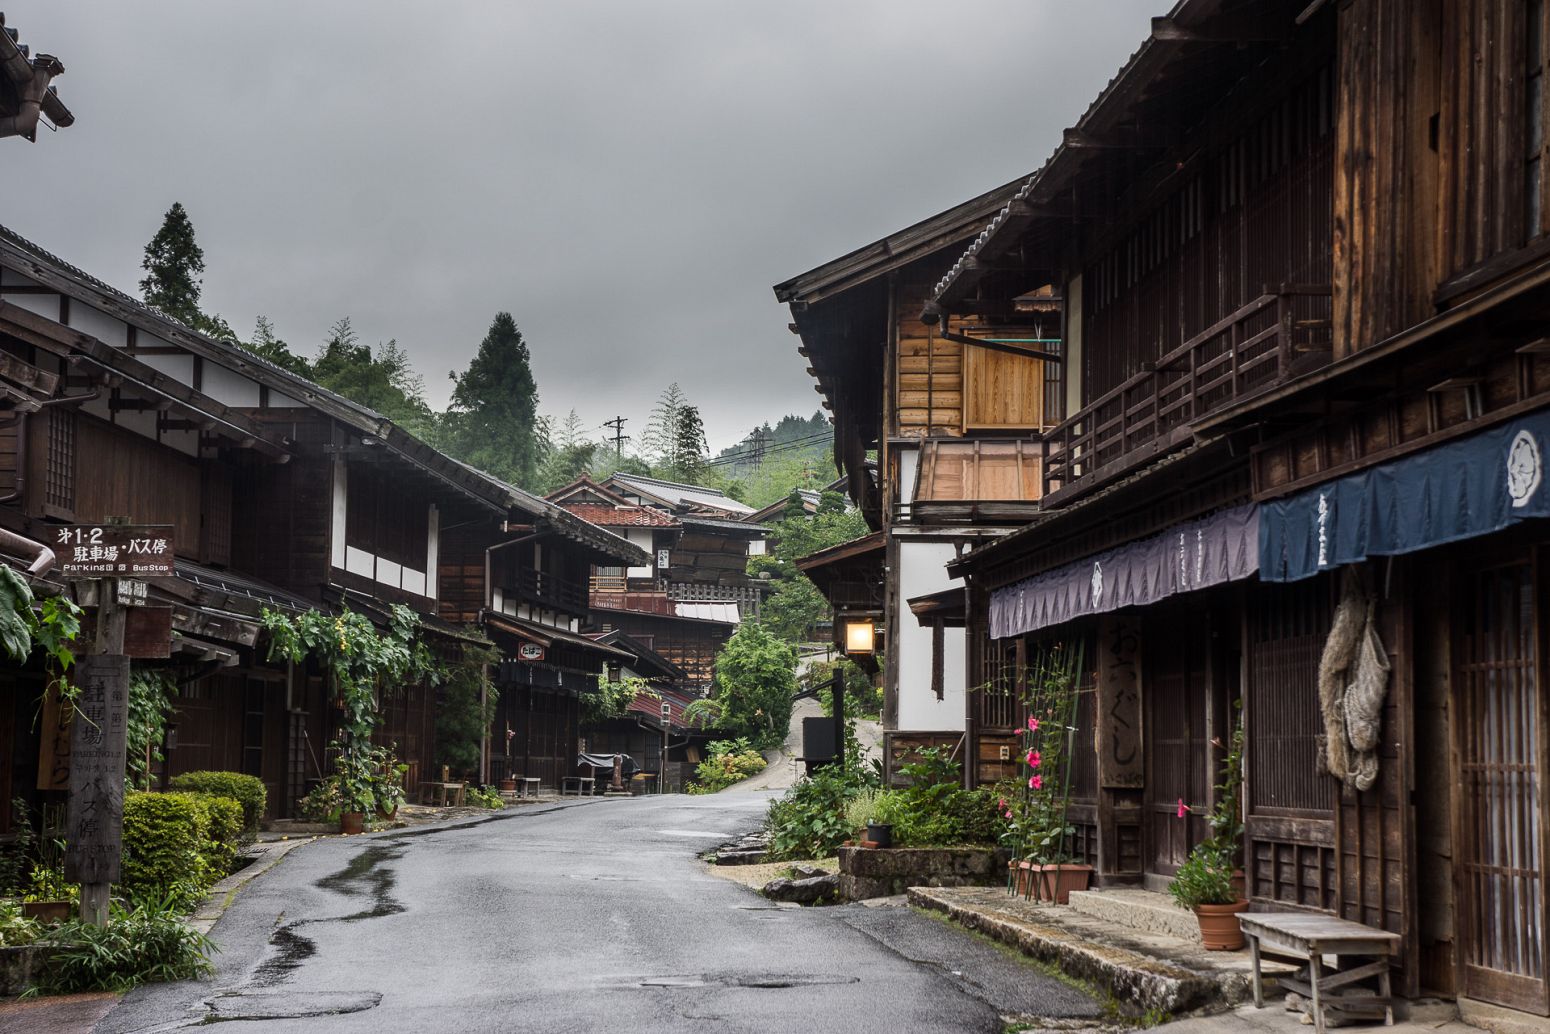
<point>757,441</point>
<point>619,438</point>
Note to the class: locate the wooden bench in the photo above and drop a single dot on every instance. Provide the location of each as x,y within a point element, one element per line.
<point>528,786</point>
<point>578,785</point>
<point>454,791</point>
<point>1308,936</point>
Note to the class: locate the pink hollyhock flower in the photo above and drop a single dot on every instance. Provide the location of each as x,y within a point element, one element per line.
<point>1035,758</point>
<point>1036,782</point>
<point>1001,802</point>
<point>1182,807</point>
<point>1033,724</point>
<point>1009,814</point>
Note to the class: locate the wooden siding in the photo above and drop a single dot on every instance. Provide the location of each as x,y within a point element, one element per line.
<point>460,571</point>
<point>1482,136</point>
<point>281,524</point>
<point>1253,216</point>
<point>122,474</point>
<point>1385,200</point>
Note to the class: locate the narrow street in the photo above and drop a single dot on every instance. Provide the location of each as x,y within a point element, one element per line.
<point>590,916</point>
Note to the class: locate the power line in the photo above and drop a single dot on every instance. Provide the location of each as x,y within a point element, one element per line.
<point>739,453</point>
<point>774,450</point>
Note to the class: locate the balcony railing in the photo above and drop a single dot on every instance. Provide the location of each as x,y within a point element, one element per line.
<point>546,589</point>
<point>609,583</point>
<point>1276,336</point>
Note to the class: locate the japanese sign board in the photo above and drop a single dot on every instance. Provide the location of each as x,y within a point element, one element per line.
<point>530,652</point>
<point>133,593</point>
<point>54,753</point>
<point>114,550</point>
<point>664,559</point>
<point>94,821</point>
<point>1120,764</point>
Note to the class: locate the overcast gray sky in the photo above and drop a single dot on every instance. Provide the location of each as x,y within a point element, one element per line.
<point>627,178</point>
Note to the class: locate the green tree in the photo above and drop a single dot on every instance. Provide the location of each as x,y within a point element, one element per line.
<point>661,436</point>
<point>795,606</point>
<point>754,686</point>
<point>267,345</point>
<point>380,378</point>
<point>173,264</point>
<point>686,458</point>
<point>569,456</point>
<point>493,421</point>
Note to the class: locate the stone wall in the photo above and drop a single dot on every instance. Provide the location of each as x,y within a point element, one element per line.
<point>882,872</point>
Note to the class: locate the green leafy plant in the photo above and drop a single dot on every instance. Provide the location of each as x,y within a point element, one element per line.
<point>754,688</point>
<point>246,790</point>
<point>613,698</point>
<point>861,809</point>
<point>484,797</point>
<point>151,692</point>
<point>1038,827</point>
<point>726,762</point>
<point>809,820</point>
<point>16,852</point>
<point>323,802</point>
<point>141,944</point>
<point>51,624</point>
<point>46,877</point>
<point>1205,878</point>
<point>363,662</point>
<point>16,928</point>
<point>465,706</point>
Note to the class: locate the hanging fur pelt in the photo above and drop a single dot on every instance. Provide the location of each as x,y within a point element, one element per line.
<point>1353,679</point>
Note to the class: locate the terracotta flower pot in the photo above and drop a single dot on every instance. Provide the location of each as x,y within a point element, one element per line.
<point>352,822</point>
<point>387,816</point>
<point>1028,881</point>
<point>46,911</point>
<point>1056,882</point>
<point>1219,929</point>
<point>508,786</point>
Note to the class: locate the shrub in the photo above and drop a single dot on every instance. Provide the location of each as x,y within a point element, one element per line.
<point>933,810</point>
<point>246,790</point>
<point>809,821</point>
<point>16,928</point>
<point>484,797</point>
<point>176,845</point>
<point>139,945</point>
<point>726,762</point>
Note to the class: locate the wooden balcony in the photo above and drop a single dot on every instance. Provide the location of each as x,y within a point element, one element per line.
<point>1282,333</point>
<point>608,583</point>
<point>546,590</point>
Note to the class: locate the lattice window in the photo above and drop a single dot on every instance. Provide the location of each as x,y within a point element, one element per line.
<point>1287,628</point>
<point>59,468</point>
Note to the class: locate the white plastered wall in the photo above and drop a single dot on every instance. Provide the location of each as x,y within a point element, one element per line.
<point>922,570</point>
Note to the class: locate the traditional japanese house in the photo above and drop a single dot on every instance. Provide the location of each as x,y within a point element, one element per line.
<point>1301,251</point>
<point>279,494</point>
<point>687,598</point>
<point>27,93</point>
<point>948,410</point>
<point>654,721</point>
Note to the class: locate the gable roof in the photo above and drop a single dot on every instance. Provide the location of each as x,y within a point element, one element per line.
<point>674,494</point>
<point>609,516</point>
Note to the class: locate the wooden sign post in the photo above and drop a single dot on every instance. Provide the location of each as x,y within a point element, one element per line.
<point>94,823</point>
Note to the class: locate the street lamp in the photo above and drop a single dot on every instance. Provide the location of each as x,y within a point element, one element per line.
<point>860,637</point>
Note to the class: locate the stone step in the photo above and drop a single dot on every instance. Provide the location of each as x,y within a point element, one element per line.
<point>1146,972</point>
<point>1144,910</point>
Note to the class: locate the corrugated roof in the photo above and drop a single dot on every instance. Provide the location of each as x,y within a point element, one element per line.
<point>682,495</point>
<point>725,613</point>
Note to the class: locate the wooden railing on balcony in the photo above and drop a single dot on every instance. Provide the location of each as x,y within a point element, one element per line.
<point>1284,332</point>
<point>545,589</point>
<point>603,583</point>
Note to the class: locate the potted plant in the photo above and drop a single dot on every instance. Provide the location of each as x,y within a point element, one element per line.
<point>388,784</point>
<point>1209,882</point>
<point>355,774</point>
<point>1204,884</point>
<point>51,895</point>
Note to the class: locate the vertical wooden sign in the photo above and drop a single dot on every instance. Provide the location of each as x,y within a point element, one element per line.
<point>95,817</point>
<point>54,744</point>
<point>1120,758</point>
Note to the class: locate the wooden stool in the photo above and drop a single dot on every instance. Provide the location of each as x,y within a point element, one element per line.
<point>1310,936</point>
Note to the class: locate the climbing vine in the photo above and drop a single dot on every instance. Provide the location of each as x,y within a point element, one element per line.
<point>362,661</point>
<point>151,693</point>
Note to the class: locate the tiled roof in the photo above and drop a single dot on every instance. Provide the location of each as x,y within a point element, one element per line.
<point>621,516</point>
<point>680,494</point>
<point>651,706</point>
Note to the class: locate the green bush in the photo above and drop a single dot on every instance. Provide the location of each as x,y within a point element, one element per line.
<point>176,845</point>
<point>726,762</point>
<point>484,797</point>
<point>934,810</point>
<point>139,945</point>
<point>809,821</point>
<point>246,790</point>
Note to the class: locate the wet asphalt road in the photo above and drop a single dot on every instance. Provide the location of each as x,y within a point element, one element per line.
<point>593,917</point>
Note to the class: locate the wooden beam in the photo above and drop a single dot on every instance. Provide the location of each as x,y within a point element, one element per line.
<point>1239,31</point>
<point>1120,139</point>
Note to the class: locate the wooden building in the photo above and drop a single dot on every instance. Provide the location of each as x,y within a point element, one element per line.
<point>280,494</point>
<point>1303,271</point>
<point>947,410</point>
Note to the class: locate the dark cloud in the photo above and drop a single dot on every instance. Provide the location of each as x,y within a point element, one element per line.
<point>627,178</point>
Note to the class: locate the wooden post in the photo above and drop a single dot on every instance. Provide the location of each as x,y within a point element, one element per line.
<point>837,697</point>
<point>95,815</point>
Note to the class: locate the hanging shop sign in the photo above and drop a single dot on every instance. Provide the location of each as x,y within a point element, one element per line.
<point>1219,548</point>
<point>114,550</point>
<point>530,652</point>
<point>1466,488</point>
